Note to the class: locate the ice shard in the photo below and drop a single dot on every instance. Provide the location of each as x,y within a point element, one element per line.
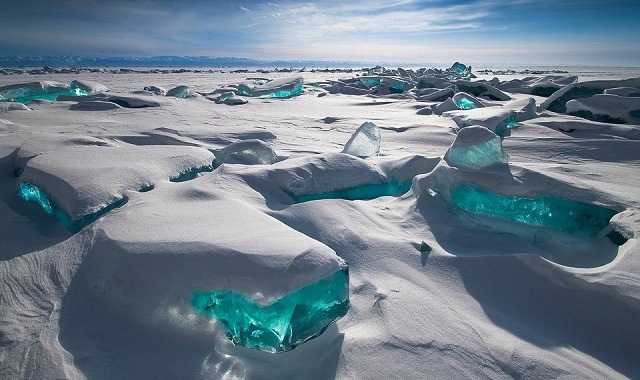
<point>461,70</point>
<point>545,211</point>
<point>179,92</point>
<point>475,148</point>
<point>365,141</point>
<point>283,324</point>
<point>248,152</point>
<point>465,101</point>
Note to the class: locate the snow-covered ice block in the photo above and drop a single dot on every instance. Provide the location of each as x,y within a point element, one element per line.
<point>465,101</point>
<point>632,92</point>
<point>156,90</point>
<point>12,106</point>
<point>475,148</point>
<point>557,102</point>
<point>607,108</point>
<point>481,89</point>
<point>437,96</point>
<point>497,119</point>
<point>83,180</point>
<point>393,83</point>
<point>525,109</point>
<point>45,90</point>
<point>179,92</point>
<point>447,105</point>
<point>364,142</point>
<point>248,152</point>
<point>180,251</point>
<point>89,87</point>
<point>277,88</point>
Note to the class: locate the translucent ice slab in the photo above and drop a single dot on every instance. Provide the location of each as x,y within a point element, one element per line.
<point>40,90</point>
<point>283,324</point>
<point>556,213</point>
<point>364,142</point>
<point>364,192</point>
<point>475,148</point>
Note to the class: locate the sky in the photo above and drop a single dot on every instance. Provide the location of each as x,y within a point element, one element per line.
<point>536,32</point>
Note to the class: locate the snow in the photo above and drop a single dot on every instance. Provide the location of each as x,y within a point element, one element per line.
<point>438,287</point>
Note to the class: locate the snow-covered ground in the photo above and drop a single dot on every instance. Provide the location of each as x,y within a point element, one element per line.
<point>150,205</point>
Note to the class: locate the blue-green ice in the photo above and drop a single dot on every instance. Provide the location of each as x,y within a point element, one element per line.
<point>283,324</point>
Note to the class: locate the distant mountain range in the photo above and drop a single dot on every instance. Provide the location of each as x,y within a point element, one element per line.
<point>163,61</point>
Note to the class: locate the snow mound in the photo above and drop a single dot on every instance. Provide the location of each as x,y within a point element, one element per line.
<point>150,257</point>
<point>94,105</point>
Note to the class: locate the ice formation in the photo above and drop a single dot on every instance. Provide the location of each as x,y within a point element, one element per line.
<point>481,89</point>
<point>156,90</point>
<point>179,92</point>
<point>466,102</point>
<point>497,119</point>
<point>83,180</point>
<point>45,90</point>
<point>475,148</point>
<point>525,109</point>
<point>362,192</point>
<point>558,100</point>
<point>631,92</point>
<point>606,108</point>
<point>12,106</point>
<point>394,84</point>
<point>364,142</point>
<point>556,213</point>
<point>283,324</point>
<point>248,152</point>
<point>461,70</point>
<point>277,88</point>
<point>535,85</point>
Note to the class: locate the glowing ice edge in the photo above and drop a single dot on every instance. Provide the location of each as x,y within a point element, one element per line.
<point>465,103</point>
<point>283,324</point>
<point>545,211</point>
<point>31,193</point>
<point>364,192</point>
<point>25,95</point>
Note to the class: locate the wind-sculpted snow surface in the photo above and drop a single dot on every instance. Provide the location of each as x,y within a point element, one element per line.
<point>468,229</point>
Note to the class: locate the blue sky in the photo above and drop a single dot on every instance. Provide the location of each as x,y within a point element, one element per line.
<point>542,32</point>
